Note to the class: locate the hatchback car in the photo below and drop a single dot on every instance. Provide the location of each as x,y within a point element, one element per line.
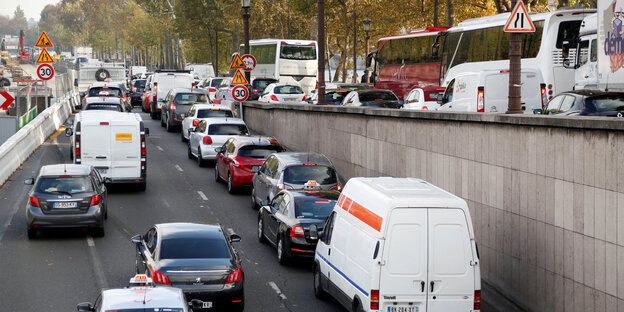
<point>240,157</point>
<point>587,103</point>
<point>104,103</point>
<point>197,258</point>
<point>212,133</point>
<point>292,171</point>
<point>66,196</point>
<point>425,98</point>
<point>282,93</point>
<point>372,98</point>
<point>285,221</point>
<point>258,85</point>
<point>201,111</point>
<point>177,104</point>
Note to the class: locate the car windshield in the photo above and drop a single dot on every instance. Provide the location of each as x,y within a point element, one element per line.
<point>104,106</point>
<point>313,207</point>
<point>304,173</point>
<point>288,90</point>
<point>377,96</point>
<point>105,91</point>
<point>190,98</point>
<point>261,84</point>
<point>64,185</point>
<point>608,102</point>
<point>194,248</point>
<point>208,113</point>
<point>227,129</point>
<point>258,151</point>
<point>335,97</point>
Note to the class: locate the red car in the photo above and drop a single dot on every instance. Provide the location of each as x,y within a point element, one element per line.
<point>241,156</point>
<point>145,100</point>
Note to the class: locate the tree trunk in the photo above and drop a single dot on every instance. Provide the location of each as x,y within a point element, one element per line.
<point>450,13</point>
<point>435,13</point>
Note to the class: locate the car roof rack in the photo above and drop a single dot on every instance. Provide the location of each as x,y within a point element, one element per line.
<point>172,71</point>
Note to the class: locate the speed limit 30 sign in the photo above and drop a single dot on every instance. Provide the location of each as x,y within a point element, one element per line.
<point>45,71</point>
<point>240,93</point>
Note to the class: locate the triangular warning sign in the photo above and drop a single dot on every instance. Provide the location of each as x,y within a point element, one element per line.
<point>237,63</point>
<point>519,20</point>
<point>45,57</point>
<point>239,78</point>
<point>44,41</point>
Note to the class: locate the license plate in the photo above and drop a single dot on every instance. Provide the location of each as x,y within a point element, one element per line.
<point>206,305</point>
<point>255,168</point>
<point>65,205</point>
<point>403,309</point>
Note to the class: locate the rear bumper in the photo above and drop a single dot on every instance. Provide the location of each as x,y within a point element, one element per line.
<point>127,180</point>
<point>241,177</point>
<point>221,298</point>
<point>300,248</point>
<point>208,151</point>
<point>94,217</point>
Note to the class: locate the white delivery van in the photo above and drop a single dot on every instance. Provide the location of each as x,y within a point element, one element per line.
<point>113,143</point>
<point>488,91</point>
<point>398,245</point>
<point>162,82</point>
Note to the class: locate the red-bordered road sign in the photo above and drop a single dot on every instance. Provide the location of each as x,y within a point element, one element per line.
<point>240,93</point>
<point>519,21</point>
<point>5,100</point>
<point>250,62</point>
<point>45,71</point>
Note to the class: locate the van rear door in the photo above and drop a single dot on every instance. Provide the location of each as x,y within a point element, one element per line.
<point>126,158</point>
<point>95,140</point>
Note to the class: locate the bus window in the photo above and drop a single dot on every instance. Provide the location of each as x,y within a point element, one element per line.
<point>298,52</point>
<point>568,31</point>
<point>584,52</point>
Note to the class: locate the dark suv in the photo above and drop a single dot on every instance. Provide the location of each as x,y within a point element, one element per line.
<point>177,104</point>
<point>66,196</point>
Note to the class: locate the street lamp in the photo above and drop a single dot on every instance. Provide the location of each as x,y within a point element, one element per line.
<point>246,4</point>
<point>366,23</point>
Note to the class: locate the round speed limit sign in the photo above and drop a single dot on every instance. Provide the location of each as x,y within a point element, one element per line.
<point>45,71</point>
<point>240,93</point>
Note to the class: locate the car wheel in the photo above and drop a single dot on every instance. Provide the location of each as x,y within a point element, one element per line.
<point>182,138</point>
<point>142,186</point>
<point>230,187</point>
<point>190,155</point>
<point>261,230</point>
<point>32,233</point>
<point>162,121</point>
<point>281,251</point>
<point>168,126</point>
<point>200,161</point>
<point>99,232</point>
<point>319,292</point>
<point>217,177</point>
<point>153,115</point>
<point>254,205</point>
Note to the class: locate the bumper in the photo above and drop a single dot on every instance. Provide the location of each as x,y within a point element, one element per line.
<point>241,177</point>
<point>208,151</point>
<point>126,181</point>
<point>135,100</point>
<point>300,248</point>
<point>93,217</point>
<point>222,299</point>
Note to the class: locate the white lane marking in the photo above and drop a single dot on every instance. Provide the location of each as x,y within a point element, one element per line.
<point>179,168</point>
<point>166,203</point>
<point>202,195</point>
<point>98,269</point>
<point>160,148</point>
<point>277,290</point>
<point>90,242</point>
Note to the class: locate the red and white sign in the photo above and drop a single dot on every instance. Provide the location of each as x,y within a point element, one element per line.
<point>519,20</point>
<point>240,93</point>
<point>45,71</point>
<point>5,100</point>
<point>250,62</point>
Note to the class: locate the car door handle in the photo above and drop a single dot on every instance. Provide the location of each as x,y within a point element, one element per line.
<point>422,286</point>
<point>432,283</point>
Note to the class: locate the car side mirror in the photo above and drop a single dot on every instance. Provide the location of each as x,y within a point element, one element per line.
<point>314,232</point>
<point>85,306</point>
<point>218,149</point>
<point>234,238</point>
<point>29,181</point>
<point>69,132</point>
<point>146,131</point>
<point>136,239</point>
<point>196,304</point>
<point>440,98</point>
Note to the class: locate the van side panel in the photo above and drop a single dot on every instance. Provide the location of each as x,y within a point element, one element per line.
<point>95,141</point>
<point>451,274</point>
<point>126,159</point>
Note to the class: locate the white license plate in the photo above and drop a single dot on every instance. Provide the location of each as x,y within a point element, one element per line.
<point>65,205</point>
<point>403,309</point>
<point>207,305</point>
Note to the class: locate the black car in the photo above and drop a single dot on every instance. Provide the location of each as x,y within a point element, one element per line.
<point>285,221</point>
<point>177,104</point>
<point>197,258</point>
<point>66,196</point>
<point>587,103</point>
<point>138,88</point>
<point>257,87</point>
<point>372,98</point>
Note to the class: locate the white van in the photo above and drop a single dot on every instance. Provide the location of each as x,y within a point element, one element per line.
<point>162,82</point>
<point>113,143</point>
<point>398,245</point>
<point>488,91</point>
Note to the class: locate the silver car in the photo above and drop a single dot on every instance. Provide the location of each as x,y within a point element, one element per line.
<point>292,171</point>
<point>198,111</point>
<point>210,134</point>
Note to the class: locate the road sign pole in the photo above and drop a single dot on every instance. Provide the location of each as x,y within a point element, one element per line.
<point>515,68</point>
<point>47,99</point>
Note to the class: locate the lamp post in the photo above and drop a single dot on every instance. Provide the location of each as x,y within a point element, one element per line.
<point>366,23</point>
<point>246,4</point>
<point>354,79</point>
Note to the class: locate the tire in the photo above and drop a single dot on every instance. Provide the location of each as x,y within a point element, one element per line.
<point>99,232</point>
<point>162,121</point>
<point>231,189</point>
<point>261,237</point>
<point>358,306</point>
<point>182,138</point>
<point>319,292</point>
<point>200,161</point>
<point>32,233</point>
<point>217,176</point>
<point>254,205</point>
<point>101,74</point>
<point>190,155</point>
<point>153,115</point>
<point>282,258</point>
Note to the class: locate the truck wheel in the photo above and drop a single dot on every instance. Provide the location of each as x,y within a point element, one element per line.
<point>319,292</point>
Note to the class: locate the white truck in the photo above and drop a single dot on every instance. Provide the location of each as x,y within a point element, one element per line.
<point>83,52</point>
<point>201,71</point>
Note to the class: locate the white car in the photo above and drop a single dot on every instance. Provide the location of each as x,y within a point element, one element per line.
<point>223,92</point>
<point>198,112</point>
<point>283,93</point>
<point>211,84</point>
<point>212,133</point>
<point>425,98</point>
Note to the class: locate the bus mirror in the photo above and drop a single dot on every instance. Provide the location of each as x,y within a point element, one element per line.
<point>435,48</point>
<point>565,50</point>
<point>369,59</point>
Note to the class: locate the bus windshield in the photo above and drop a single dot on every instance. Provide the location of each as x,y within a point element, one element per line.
<point>298,52</point>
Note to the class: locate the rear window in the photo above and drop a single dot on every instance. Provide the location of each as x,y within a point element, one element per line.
<point>260,85</point>
<point>288,90</point>
<point>194,248</point>
<point>227,129</point>
<point>209,113</point>
<point>258,151</point>
<point>335,97</point>
<point>302,174</point>
<point>215,82</point>
<point>64,185</point>
<point>608,102</point>
<point>105,91</point>
<point>568,31</point>
<point>104,106</point>
<point>139,83</point>
<point>190,98</point>
<point>313,207</point>
<point>377,96</point>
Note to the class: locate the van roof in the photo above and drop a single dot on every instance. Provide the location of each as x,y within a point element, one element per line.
<point>65,169</point>
<point>209,106</point>
<point>101,115</point>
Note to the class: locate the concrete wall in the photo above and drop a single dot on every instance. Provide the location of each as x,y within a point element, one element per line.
<point>546,194</point>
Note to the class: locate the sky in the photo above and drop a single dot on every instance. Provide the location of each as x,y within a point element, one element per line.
<point>32,8</point>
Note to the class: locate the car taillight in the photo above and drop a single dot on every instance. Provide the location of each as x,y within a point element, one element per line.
<point>95,200</point>
<point>297,231</point>
<point>212,89</point>
<point>254,91</point>
<point>543,92</point>
<point>142,145</point>
<point>173,106</point>
<point>160,278</point>
<point>374,299</point>
<point>274,98</point>
<point>234,277</point>
<point>34,201</point>
<point>477,300</point>
<point>480,100</point>
<point>207,140</point>
<point>336,188</point>
<point>195,122</point>
<point>77,148</point>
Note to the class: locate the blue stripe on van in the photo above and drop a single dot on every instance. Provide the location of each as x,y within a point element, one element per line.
<point>343,275</point>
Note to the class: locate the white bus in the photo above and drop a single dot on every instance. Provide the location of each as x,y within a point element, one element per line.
<point>289,61</point>
<point>480,44</point>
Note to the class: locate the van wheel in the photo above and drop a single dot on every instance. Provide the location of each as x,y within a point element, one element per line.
<point>282,258</point>
<point>200,161</point>
<point>142,186</point>
<point>319,292</point>
<point>358,306</point>
<point>261,238</point>
<point>230,187</point>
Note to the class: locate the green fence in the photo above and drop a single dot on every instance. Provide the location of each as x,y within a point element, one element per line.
<point>26,118</point>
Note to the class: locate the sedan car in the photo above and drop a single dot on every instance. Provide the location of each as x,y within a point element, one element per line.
<point>104,103</point>
<point>240,157</point>
<point>197,258</point>
<point>292,171</point>
<point>212,133</point>
<point>201,111</point>
<point>66,196</point>
<point>372,98</point>
<point>147,97</point>
<point>177,104</point>
<point>285,221</point>
<point>425,98</point>
<point>109,89</point>
<point>283,93</point>
<point>257,87</point>
<point>587,103</point>
<point>138,87</point>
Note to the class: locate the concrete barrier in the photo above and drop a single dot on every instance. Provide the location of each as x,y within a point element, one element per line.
<point>546,193</point>
<point>15,150</point>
